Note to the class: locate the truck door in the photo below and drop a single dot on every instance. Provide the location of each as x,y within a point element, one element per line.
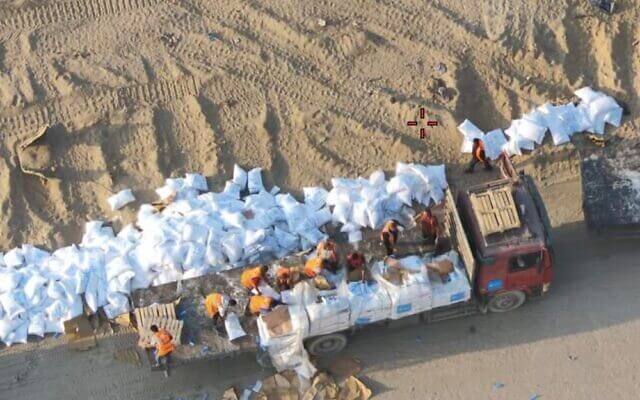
<point>524,271</point>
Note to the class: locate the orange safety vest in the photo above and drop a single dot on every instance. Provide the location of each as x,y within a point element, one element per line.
<point>213,303</point>
<point>478,152</point>
<point>258,303</point>
<point>165,342</point>
<point>251,277</point>
<point>283,273</point>
<point>429,223</point>
<point>313,267</point>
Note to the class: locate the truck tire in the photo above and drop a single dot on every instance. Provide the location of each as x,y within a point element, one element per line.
<point>506,301</point>
<point>327,344</point>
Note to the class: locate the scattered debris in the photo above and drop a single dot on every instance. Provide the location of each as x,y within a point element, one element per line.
<point>170,39</point>
<point>597,140</point>
<point>213,36</point>
<point>440,68</point>
<point>604,5</point>
<point>287,386</point>
<point>321,22</point>
<point>572,357</point>
<point>535,397</point>
<point>343,367</point>
<point>32,140</point>
<point>498,385</point>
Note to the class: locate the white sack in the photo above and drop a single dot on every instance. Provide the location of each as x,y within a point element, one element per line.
<point>196,181</point>
<point>239,177</point>
<point>233,327</point>
<point>254,180</point>
<point>11,305</point>
<point>9,280</point>
<point>470,131</point>
<point>120,199</point>
<point>36,325</point>
<point>14,258</point>
<point>315,197</point>
<point>493,143</point>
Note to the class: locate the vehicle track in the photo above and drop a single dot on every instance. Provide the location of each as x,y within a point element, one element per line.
<point>99,102</point>
<point>69,11</point>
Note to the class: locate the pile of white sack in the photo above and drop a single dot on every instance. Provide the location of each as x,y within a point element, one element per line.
<point>197,233</point>
<point>368,203</point>
<point>591,114</point>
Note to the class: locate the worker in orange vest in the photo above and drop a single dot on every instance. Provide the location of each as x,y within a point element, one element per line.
<point>287,277</point>
<point>326,249</point>
<point>478,156</point>
<point>260,304</point>
<point>252,277</point>
<point>389,236</point>
<point>163,341</point>
<point>315,266</point>
<point>429,225</point>
<point>216,306</point>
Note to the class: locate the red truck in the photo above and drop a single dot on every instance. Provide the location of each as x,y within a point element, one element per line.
<point>499,229</point>
<point>502,233</point>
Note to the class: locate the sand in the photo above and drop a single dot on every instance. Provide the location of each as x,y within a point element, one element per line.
<point>135,91</point>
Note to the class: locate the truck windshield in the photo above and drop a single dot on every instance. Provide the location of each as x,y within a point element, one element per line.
<point>525,261</point>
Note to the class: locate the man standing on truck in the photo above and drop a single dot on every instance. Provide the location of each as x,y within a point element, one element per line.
<point>356,268</point>
<point>315,266</point>
<point>478,156</point>
<point>287,277</point>
<point>163,342</point>
<point>389,236</point>
<point>327,250</point>
<point>429,225</point>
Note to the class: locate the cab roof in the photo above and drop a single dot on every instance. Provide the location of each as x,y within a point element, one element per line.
<point>502,214</point>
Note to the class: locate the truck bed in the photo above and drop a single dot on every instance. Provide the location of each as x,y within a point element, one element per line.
<point>202,340</point>
<point>611,191</point>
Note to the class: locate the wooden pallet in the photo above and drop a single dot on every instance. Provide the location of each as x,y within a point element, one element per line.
<point>496,211</point>
<point>162,315</point>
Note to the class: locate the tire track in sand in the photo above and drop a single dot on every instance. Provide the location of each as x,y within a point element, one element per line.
<point>69,11</point>
<point>97,102</point>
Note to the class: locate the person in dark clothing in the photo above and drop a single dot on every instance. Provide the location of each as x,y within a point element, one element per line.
<point>356,268</point>
<point>429,225</point>
<point>478,156</point>
<point>389,236</point>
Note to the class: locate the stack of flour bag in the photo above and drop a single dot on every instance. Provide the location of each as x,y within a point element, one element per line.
<point>590,114</point>
<point>398,288</point>
<point>189,232</point>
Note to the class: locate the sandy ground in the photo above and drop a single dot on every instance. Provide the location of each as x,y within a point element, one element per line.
<point>264,84</point>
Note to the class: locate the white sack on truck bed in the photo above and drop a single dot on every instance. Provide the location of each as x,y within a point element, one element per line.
<point>282,332</point>
<point>327,315</point>
<point>410,293</point>
<point>369,302</point>
<point>450,288</point>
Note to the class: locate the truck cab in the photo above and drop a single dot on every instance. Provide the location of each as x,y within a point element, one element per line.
<point>508,232</point>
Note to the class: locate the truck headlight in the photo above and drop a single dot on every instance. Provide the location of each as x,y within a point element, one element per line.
<point>545,287</point>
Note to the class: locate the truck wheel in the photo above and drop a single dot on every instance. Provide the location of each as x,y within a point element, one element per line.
<point>327,344</point>
<point>507,301</point>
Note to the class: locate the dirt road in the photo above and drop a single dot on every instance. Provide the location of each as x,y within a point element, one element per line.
<point>580,342</point>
